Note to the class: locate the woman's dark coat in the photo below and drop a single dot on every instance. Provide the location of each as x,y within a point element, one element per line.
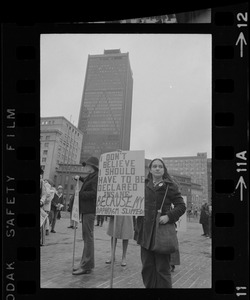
<point>153,198</point>
<point>88,193</point>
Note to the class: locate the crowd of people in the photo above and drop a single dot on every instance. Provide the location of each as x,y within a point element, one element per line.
<point>156,268</point>
<point>51,203</point>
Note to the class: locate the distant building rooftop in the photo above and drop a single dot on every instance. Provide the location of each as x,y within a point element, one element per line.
<point>112,51</point>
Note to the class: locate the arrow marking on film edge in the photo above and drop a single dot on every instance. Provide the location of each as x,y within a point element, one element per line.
<point>242,40</point>
<point>242,184</point>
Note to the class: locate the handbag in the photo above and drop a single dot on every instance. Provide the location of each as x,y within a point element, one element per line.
<point>164,236</point>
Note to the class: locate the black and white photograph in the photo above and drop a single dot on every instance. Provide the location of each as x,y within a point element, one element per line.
<point>103,93</point>
<point>131,126</point>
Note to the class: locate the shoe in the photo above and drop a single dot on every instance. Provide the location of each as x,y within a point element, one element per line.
<point>70,226</point>
<point>172,268</point>
<point>96,224</point>
<point>53,231</point>
<point>109,261</point>
<point>81,271</point>
<point>203,234</point>
<point>123,264</point>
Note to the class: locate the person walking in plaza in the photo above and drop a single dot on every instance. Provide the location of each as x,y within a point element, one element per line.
<point>47,203</point>
<point>56,206</point>
<point>124,230</point>
<point>210,221</point>
<point>156,272</point>
<point>42,215</point>
<point>175,257</point>
<point>175,260</point>
<point>44,194</point>
<point>196,212</point>
<point>99,220</point>
<point>87,208</point>
<point>204,219</point>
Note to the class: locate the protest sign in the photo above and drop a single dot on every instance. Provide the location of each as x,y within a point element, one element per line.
<point>120,189</point>
<point>43,216</point>
<point>75,208</point>
<point>182,222</point>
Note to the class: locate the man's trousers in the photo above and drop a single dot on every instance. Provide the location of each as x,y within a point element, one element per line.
<point>88,260</point>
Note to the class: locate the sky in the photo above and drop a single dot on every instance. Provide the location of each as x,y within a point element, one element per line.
<point>172,95</point>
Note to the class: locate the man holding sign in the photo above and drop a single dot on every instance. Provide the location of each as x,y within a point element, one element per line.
<point>87,208</point>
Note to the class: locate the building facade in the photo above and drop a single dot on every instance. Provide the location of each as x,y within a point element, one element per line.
<point>60,142</point>
<point>105,113</point>
<point>193,166</point>
<point>196,196</point>
<point>187,187</point>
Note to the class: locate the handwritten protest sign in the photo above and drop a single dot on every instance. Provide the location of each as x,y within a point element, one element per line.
<point>120,189</point>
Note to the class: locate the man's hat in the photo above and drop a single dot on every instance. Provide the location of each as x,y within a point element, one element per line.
<point>92,161</point>
<point>59,187</point>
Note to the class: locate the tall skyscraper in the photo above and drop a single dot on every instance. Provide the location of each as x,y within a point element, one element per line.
<point>105,113</point>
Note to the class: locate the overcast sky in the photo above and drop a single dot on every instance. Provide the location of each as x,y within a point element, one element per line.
<point>172,99</point>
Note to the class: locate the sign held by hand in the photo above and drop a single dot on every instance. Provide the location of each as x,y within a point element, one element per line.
<point>121,178</point>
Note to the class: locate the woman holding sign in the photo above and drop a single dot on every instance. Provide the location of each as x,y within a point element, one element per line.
<point>156,267</point>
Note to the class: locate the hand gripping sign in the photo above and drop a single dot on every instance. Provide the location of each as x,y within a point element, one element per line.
<point>121,188</point>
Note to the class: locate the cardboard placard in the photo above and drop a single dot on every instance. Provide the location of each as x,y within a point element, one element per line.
<point>121,184</point>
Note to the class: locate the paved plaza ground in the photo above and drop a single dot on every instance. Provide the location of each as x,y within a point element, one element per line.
<point>57,256</point>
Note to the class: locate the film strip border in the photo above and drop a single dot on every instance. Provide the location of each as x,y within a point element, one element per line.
<point>20,124</point>
<point>21,148</point>
<point>230,152</point>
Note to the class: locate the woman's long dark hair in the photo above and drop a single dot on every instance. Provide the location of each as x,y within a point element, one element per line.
<point>165,174</point>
